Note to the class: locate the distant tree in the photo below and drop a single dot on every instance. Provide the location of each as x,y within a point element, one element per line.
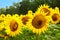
<point>2,10</point>
<point>25,5</point>
<point>14,9</point>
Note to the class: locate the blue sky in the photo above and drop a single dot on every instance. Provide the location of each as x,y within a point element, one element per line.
<point>4,3</point>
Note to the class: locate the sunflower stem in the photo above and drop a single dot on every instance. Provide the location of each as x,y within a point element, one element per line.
<point>37,36</point>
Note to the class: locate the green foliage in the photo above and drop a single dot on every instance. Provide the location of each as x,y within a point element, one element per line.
<point>53,33</point>
<point>25,5</point>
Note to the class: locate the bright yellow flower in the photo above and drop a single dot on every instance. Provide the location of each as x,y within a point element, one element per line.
<point>2,19</point>
<point>56,15</point>
<point>45,8</point>
<point>38,24</point>
<point>25,18</point>
<point>16,15</point>
<point>13,26</point>
<point>8,16</point>
<point>30,12</point>
<point>2,16</point>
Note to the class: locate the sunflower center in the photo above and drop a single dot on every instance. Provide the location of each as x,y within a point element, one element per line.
<point>13,26</point>
<point>2,16</point>
<point>1,21</point>
<point>54,17</point>
<point>38,21</point>
<point>25,19</point>
<point>46,11</point>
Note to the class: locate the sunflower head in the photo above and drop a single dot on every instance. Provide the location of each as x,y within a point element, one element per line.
<point>45,8</point>
<point>55,18</point>
<point>25,19</point>
<point>16,15</point>
<point>30,12</point>
<point>38,24</point>
<point>13,26</point>
<point>8,16</point>
<point>1,21</point>
<point>2,16</point>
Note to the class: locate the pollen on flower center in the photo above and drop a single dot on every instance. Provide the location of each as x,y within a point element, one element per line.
<point>38,22</point>
<point>25,19</point>
<point>1,21</point>
<point>46,11</point>
<point>54,17</point>
<point>13,26</point>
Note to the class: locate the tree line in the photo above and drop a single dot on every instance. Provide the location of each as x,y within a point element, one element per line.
<point>25,5</point>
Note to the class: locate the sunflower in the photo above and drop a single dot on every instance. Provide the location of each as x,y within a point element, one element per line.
<point>8,16</point>
<point>16,15</point>
<point>2,19</point>
<point>38,24</point>
<point>30,12</point>
<point>55,17</point>
<point>25,18</point>
<point>45,8</point>
<point>2,26</point>
<point>2,16</point>
<point>13,26</point>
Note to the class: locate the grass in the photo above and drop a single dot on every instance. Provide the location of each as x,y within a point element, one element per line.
<point>53,33</point>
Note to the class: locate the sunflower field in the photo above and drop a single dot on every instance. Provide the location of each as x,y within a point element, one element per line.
<point>44,24</point>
